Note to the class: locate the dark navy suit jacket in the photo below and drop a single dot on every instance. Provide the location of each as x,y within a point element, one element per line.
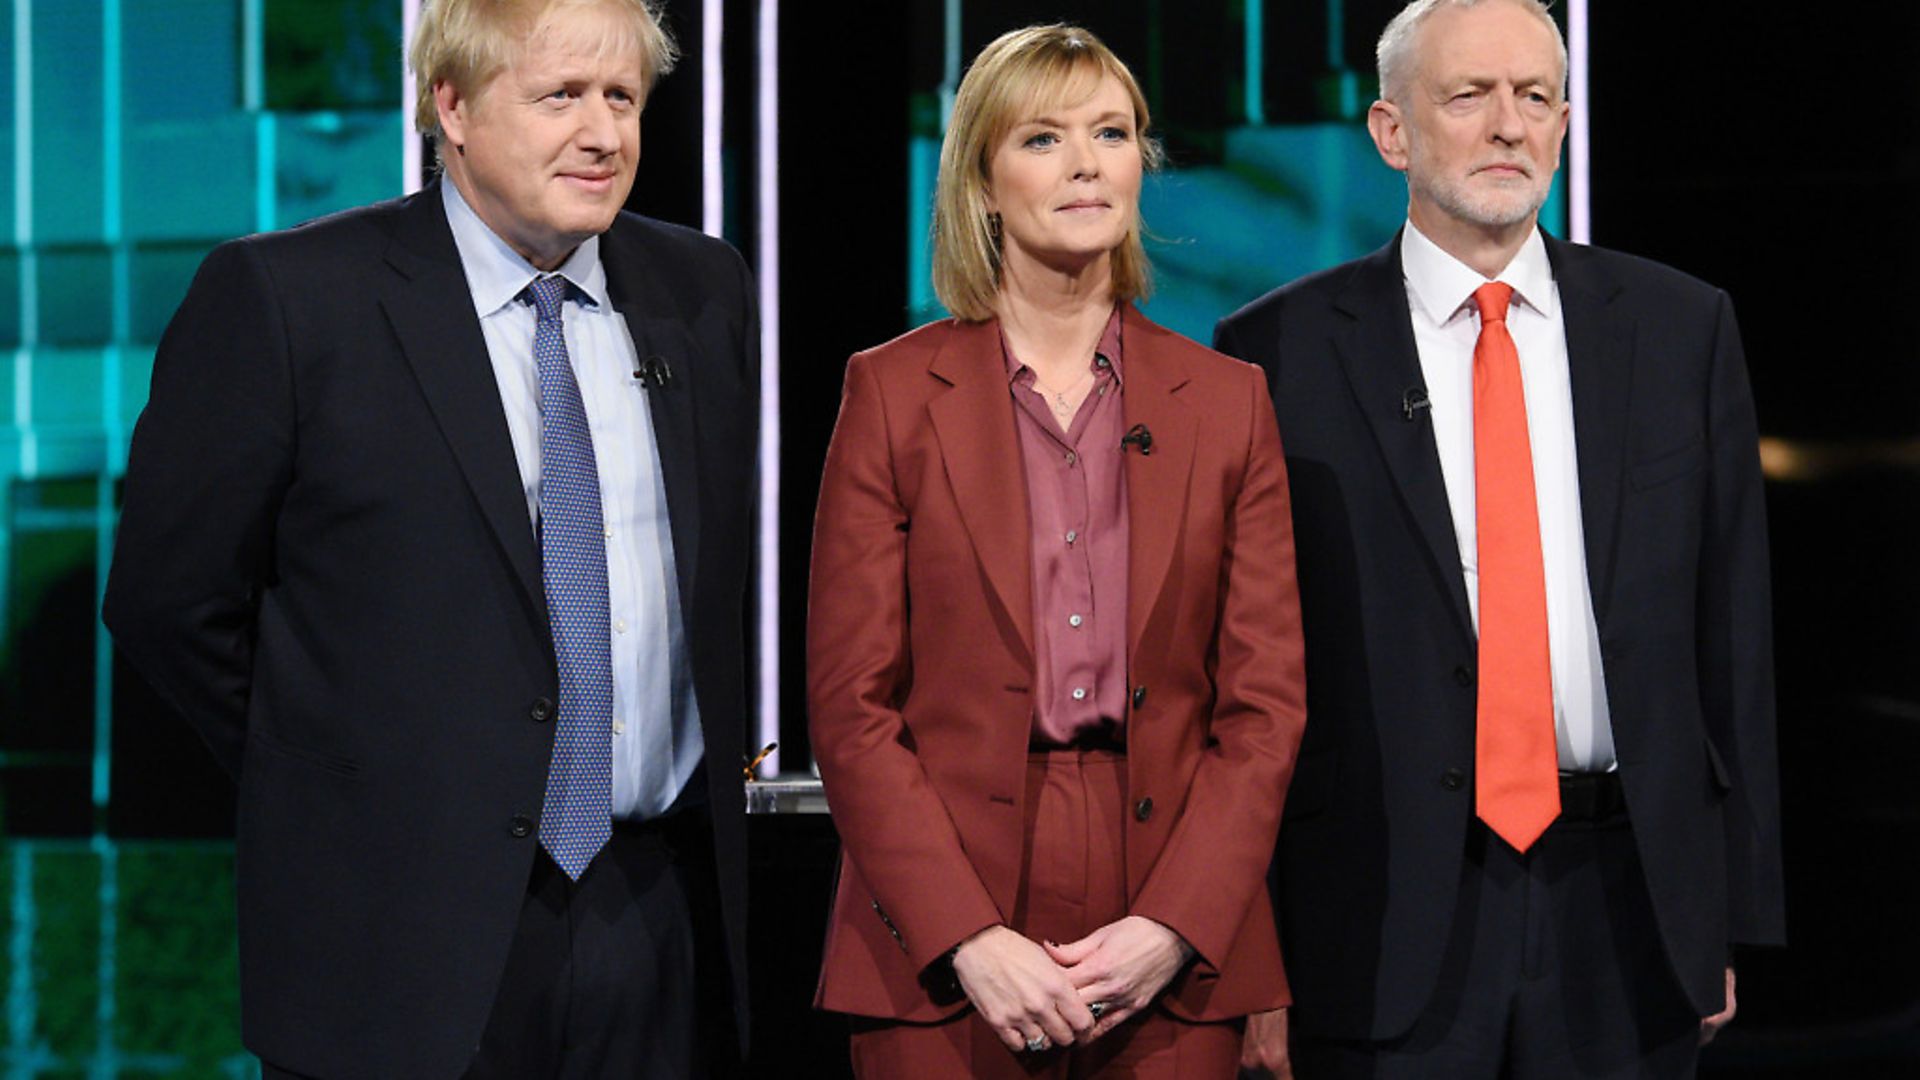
<point>325,563</point>
<point>1374,832</point>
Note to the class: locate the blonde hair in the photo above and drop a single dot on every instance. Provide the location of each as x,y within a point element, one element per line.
<point>468,42</point>
<point>1021,72</point>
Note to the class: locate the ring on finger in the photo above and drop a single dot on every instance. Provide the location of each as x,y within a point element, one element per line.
<point>1098,1008</point>
<point>1039,1044</point>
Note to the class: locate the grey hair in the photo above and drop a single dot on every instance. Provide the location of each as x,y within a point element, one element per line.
<point>1394,53</point>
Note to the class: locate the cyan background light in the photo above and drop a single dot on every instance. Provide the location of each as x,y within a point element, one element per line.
<point>140,133</point>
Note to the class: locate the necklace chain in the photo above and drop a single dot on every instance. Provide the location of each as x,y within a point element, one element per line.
<point>1061,407</point>
<point>1058,402</point>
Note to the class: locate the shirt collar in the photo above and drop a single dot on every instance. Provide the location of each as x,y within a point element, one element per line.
<point>497,274</point>
<point>1109,347</point>
<point>1442,284</point>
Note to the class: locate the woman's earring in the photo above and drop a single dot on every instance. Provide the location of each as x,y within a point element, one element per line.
<point>993,228</point>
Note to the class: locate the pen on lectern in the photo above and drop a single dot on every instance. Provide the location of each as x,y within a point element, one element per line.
<point>758,758</point>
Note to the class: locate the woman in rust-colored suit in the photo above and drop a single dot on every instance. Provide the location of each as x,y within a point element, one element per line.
<point>1053,644</point>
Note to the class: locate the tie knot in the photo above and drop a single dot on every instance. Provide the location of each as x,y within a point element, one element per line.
<point>1492,299</point>
<point>546,295</point>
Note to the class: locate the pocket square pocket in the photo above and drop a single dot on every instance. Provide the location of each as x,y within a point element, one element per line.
<point>1670,465</point>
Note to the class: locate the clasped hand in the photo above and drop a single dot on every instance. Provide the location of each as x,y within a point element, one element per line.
<point>1025,990</point>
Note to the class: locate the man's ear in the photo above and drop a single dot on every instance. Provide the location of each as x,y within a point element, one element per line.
<point>1389,133</point>
<point>455,109</point>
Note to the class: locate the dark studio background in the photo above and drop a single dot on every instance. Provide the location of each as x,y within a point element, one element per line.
<point>1776,156</point>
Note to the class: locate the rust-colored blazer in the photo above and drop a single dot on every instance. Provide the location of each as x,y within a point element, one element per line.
<point>920,664</point>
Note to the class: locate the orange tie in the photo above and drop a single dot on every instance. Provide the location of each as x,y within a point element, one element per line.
<point>1516,767</point>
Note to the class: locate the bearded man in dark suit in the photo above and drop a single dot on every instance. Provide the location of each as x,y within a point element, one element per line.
<point>1537,798</point>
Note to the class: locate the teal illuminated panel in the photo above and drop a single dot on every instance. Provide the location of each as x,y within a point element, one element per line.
<point>329,160</point>
<point>9,128</point>
<point>67,110</point>
<point>161,274</point>
<point>182,62</point>
<point>195,179</point>
<point>134,136</point>
<point>75,295</point>
<point>1287,200</point>
<point>9,299</point>
<point>66,390</point>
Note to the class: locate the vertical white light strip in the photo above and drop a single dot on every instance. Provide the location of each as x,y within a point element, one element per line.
<point>409,138</point>
<point>22,26</point>
<point>1579,189</point>
<point>22,998</point>
<point>23,126</point>
<point>112,229</point>
<point>266,155</point>
<point>106,962</point>
<point>767,155</point>
<point>253,62</point>
<point>713,215</point>
<point>23,237</point>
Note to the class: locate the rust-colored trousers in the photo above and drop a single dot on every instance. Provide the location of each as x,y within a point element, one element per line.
<point>1075,883</point>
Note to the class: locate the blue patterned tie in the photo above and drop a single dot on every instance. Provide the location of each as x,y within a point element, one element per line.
<point>578,815</point>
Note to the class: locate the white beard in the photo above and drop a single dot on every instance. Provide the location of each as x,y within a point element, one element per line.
<point>1493,207</point>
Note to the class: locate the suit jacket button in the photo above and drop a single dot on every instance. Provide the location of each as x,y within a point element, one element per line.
<point>1139,695</point>
<point>1143,809</point>
<point>1463,675</point>
<point>1453,779</point>
<point>541,710</point>
<point>521,826</point>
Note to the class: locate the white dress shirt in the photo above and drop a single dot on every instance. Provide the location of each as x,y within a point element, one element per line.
<point>656,724</point>
<point>1446,323</point>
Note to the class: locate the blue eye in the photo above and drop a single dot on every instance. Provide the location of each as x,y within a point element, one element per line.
<point>1114,134</point>
<point>1041,141</point>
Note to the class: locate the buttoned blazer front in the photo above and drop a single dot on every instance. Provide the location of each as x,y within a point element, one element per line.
<point>1376,825</point>
<point>325,563</point>
<point>920,664</point>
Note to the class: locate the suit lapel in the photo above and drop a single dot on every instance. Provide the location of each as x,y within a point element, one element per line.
<point>430,307</point>
<point>1600,365</point>
<point>1158,482</point>
<point>660,331</point>
<point>973,421</point>
<point>1382,364</point>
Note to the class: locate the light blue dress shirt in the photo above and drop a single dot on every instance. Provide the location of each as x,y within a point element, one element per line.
<point>656,724</point>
